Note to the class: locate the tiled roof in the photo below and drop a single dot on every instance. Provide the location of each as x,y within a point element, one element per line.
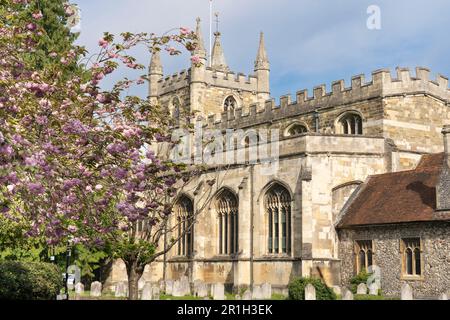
<point>408,196</point>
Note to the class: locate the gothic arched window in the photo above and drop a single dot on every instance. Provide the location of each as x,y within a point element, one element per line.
<point>278,207</point>
<point>228,215</point>
<point>364,258</point>
<point>184,213</point>
<point>296,129</point>
<point>230,103</point>
<point>412,258</point>
<point>351,123</point>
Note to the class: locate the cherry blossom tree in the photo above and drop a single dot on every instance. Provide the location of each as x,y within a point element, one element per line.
<point>77,161</point>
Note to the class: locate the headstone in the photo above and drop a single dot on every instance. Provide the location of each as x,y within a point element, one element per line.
<point>185,286</point>
<point>266,291</point>
<point>247,295</point>
<point>348,295</point>
<point>443,296</point>
<point>96,289</point>
<point>141,283</point>
<point>176,291</point>
<point>181,287</point>
<point>79,289</point>
<point>162,285</point>
<point>310,292</point>
<point>121,290</point>
<point>373,289</point>
<point>202,290</point>
<point>257,293</point>
<point>169,287</point>
<point>361,289</point>
<point>146,291</point>
<point>218,291</point>
<point>406,293</point>
<point>155,292</point>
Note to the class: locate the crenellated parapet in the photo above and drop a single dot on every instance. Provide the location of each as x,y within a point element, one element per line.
<point>383,84</point>
<point>212,77</point>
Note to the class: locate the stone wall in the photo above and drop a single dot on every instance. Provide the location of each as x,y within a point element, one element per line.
<point>435,238</point>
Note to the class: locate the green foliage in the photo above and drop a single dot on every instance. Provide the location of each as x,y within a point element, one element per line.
<point>297,289</point>
<point>14,245</point>
<point>89,260</point>
<point>359,278</point>
<point>57,37</point>
<point>29,281</point>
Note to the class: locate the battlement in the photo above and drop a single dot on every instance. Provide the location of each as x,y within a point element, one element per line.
<point>231,80</point>
<point>382,84</point>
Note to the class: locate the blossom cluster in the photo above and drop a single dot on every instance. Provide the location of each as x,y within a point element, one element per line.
<point>76,160</point>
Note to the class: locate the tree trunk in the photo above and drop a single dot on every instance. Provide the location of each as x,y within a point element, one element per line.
<point>134,272</point>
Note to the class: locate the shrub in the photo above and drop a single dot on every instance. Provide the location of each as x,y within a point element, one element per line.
<point>29,281</point>
<point>359,278</point>
<point>297,289</point>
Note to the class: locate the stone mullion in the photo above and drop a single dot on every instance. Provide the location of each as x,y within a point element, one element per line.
<point>220,234</point>
<point>280,229</point>
<point>289,229</point>
<point>236,228</point>
<point>229,232</point>
<point>274,212</point>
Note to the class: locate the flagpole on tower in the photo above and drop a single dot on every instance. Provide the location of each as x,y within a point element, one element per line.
<point>210,30</point>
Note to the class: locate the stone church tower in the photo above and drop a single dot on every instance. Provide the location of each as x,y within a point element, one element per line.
<point>206,90</point>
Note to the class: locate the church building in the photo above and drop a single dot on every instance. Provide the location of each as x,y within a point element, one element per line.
<point>362,179</point>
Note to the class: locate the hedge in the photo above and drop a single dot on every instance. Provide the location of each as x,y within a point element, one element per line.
<point>29,281</point>
<point>297,289</point>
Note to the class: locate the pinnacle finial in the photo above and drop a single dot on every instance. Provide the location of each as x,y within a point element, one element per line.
<point>155,63</point>
<point>218,61</point>
<point>262,62</point>
<point>200,50</point>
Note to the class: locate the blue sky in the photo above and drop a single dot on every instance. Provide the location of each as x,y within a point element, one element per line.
<point>309,42</point>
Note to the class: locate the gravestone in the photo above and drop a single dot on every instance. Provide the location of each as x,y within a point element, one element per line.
<point>177,291</point>
<point>373,289</point>
<point>247,295</point>
<point>348,295</point>
<point>141,283</point>
<point>79,289</point>
<point>169,287</point>
<point>162,285</point>
<point>96,289</point>
<point>257,293</point>
<point>146,291</point>
<point>121,290</point>
<point>185,286</point>
<point>155,292</point>
<point>266,291</point>
<point>202,290</point>
<point>443,296</point>
<point>310,292</point>
<point>407,293</point>
<point>218,291</point>
<point>361,289</point>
